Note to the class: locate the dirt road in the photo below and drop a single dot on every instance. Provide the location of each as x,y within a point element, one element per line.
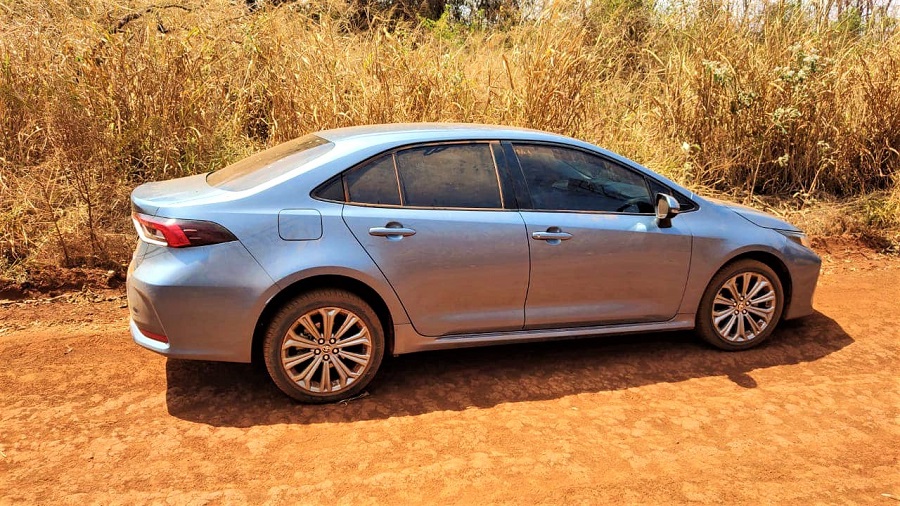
<point>814,415</point>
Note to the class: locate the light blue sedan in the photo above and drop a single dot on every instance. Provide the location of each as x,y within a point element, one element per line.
<point>323,254</point>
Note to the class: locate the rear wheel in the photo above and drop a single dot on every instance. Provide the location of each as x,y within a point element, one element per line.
<point>741,307</point>
<point>324,346</point>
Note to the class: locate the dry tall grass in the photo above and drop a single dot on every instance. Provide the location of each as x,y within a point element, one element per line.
<point>96,98</point>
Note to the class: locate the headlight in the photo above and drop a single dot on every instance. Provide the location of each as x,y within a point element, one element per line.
<point>798,237</point>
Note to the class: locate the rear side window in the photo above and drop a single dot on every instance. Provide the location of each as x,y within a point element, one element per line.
<point>453,175</point>
<point>269,164</point>
<point>374,183</point>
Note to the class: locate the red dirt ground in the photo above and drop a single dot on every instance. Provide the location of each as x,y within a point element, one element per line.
<point>813,415</point>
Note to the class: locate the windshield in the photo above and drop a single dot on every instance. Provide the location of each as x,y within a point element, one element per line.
<point>269,164</point>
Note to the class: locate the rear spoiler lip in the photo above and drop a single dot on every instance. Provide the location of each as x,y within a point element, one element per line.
<point>142,206</point>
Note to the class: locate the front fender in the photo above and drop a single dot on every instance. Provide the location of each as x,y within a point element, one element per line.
<point>720,239</point>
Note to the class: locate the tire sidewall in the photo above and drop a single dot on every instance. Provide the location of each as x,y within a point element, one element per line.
<point>288,315</point>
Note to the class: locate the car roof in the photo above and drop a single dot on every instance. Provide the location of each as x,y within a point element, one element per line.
<point>426,132</point>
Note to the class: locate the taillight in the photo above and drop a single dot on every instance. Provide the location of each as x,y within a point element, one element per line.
<point>177,233</point>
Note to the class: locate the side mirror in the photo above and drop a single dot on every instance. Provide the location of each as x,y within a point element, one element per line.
<point>666,209</point>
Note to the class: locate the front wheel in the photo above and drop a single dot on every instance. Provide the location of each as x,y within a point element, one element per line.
<point>741,307</point>
<point>324,346</point>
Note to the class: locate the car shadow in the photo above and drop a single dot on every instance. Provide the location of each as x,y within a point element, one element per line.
<point>241,395</point>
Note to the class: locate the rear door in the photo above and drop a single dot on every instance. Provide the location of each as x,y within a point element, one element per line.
<point>598,255</point>
<point>434,220</point>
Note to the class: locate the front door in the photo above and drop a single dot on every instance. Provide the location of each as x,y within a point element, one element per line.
<point>612,269</point>
<point>597,254</point>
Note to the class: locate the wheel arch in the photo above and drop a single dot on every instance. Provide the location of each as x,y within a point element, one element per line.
<point>773,262</point>
<point>338,281</point>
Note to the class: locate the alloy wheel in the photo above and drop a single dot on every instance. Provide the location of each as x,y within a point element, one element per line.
<point>326,350</point>
<point>744,306</point>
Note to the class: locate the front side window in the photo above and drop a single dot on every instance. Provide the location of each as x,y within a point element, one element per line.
<point>451,175</point>
<point>563,179</point>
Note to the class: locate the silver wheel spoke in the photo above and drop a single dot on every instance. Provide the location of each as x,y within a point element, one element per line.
<point>327,321</point>
<point>356,339</point>
<point>722,301</point>
<point>727,330</point>
<point>754,327</point>
<point>297,341</point>
<point>310,370</point>
<point>741,332</point>
<point>343,372</point>
<point>763,312</point>
<point>763,298</point>
<point>355,357</point>
<point>309,326</point>
<point>299,359</point>
<point>757,288</point>
<point>720,318</point>
<point>747,278</point>
<point>731,286</point>
<point>725,312</point>
<point>349,322</point>
<point>315,336</point>
<point>325,384</point>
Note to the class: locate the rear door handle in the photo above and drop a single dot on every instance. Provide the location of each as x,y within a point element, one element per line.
<point>392,231</point>
<point>551,236</point>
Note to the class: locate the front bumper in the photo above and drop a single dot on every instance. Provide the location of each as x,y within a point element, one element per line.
<point>205,300</point>
<point>804,266</point>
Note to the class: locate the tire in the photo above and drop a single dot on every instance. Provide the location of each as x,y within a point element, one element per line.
<point>309,363</point>
<point>742,322</point>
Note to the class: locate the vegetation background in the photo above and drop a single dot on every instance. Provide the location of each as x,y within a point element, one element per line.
<point>792,105</point>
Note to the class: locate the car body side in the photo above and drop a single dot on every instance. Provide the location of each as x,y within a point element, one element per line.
<point>215,298</point>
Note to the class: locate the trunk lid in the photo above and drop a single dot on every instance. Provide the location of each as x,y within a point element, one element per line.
<point>149,197</point>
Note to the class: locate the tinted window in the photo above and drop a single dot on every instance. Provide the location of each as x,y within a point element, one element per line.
<point>269,164</point>
<point>657,188</point>
<point>456,175</point>
<point>331,190</point>
<point>685,203</point>
<point>572,180</point>
<point>374,183</point>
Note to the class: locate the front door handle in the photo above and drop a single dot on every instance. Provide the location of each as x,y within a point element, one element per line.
<point>392,230</point>
<point>553,235</point>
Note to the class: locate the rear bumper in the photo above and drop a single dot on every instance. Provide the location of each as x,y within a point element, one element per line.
<point>205,300</point>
